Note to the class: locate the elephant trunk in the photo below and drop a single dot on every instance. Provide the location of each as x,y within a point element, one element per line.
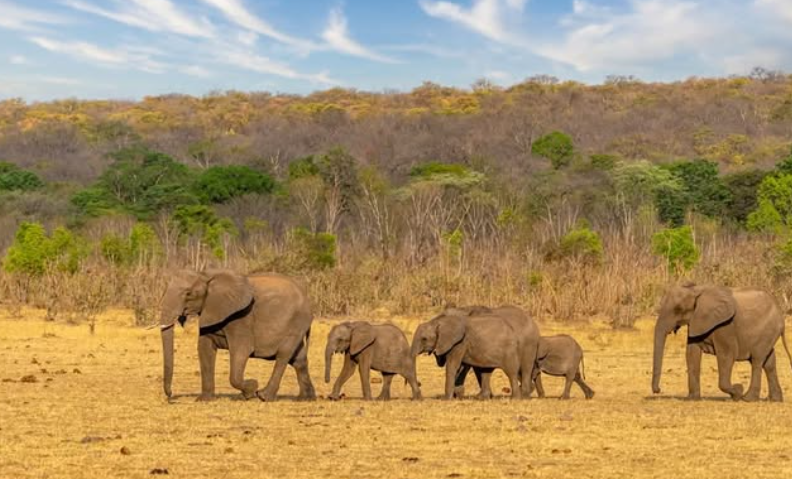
<point>167,359</point>
<point>415,349</point>
<point>659,347</point>
<point>329,350</point>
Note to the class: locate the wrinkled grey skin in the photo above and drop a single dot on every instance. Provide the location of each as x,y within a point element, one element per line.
<point>381,347</point>
<point>483,341</point>
<point>734,324</point>
<point>527,334</point>
<point>561,355</point>
<point>265,316</point>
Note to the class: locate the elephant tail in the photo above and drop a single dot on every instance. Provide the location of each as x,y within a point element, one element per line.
<point>786,348</point>
<point>583,367</point>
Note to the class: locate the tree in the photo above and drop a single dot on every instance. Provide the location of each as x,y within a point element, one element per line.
<point>338,170</point>
<point>705,192</point>
<point>13,178</point>
<point>219,184</point>
<point>774,205</point>
<point>743,189</point>
<point>582,244</point>
<point>677,248</point>
<point>34,252</point>
<point>556,147</point>
<point>200,222</point>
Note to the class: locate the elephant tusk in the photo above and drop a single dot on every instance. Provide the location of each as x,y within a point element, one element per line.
<point>165,327</point>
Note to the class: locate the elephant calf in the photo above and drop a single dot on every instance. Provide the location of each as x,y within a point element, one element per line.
<point>560,355</point>
<point>383,348</point>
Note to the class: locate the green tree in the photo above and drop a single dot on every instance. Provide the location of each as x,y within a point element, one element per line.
<point>200,221</point>
<point>13,178</point>
<point>677,247</point>
<point>582,244</point>
<point>705,192</point>
<point>556,147</point>
<point>313,251</point>
<point>640,183</point>
<point>33,252</point>
<point>774,205</point>
<point>219,184</point>
<point>743,190</point>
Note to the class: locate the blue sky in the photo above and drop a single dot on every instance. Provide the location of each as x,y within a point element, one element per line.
<point>131,48</point>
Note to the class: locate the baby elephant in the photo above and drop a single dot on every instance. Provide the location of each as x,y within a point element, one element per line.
<point>560,356</point>
<point>383,348</point>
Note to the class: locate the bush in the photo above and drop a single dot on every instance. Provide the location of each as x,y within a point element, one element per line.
<point>704,190</point>
<point>219,184</point>
<point>33,252</point>
<point>677,247</point>
<point>743,189</point>
<point>774,210</point>
<point>313,251</point>
<point>582,244</point>
<point>12,178</point>
<point>556,147</point>
<point>603,162</point>
<point>200,221</point>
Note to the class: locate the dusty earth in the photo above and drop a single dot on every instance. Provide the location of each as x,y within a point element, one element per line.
<point>78,405</point>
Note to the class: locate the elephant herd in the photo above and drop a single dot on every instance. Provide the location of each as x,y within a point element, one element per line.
<point>268,316</point>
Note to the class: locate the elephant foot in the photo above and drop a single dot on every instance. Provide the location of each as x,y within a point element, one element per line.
<point>564,398</point>
<point>459,392</point>
<point>694,397</point>
<point>751,396</point>
<point>737,392</point>
<point>306,397</point>
<point>417,397</point>
<point>334,397</point>
<point>483,396</point>
<point>265,395</point>
<point>205,398</point>
<point>590,395</point>
<point>776,398</point>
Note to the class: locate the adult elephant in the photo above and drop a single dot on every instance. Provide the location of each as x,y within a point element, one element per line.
<point>527,334</point>
<point>266,316</point>
<point>734,324</point>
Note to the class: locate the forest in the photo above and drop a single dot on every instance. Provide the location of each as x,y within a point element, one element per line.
<point>575,201</point>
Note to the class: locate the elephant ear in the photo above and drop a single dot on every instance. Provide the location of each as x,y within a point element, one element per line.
<point>714,306</point>
<point>362,337</point>
<point>450,331</point>
<point>227,293</point>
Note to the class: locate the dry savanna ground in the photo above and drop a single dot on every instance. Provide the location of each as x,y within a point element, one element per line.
<point>92,406</point>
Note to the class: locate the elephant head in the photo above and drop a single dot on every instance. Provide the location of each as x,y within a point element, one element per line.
<point>438,336</point>
<point>351,337</point>
<point>700,308</point>
<point>214,296</point>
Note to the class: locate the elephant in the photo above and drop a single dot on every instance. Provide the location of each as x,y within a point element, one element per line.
<point>561,355</point>
<point>528,344</point>
<point>485,341</point>
<point>266,316</point>
<point>381,347</point>
<point>734,324</point>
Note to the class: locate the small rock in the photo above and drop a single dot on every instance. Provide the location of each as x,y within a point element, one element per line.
<point>410,459</point>
<point>159,471</point>
<point>34,361</point>
<point>229,450</point>
<point>49,380</point>
<point>60,371</point>
<point>9,380</point>
<point>454,474</point>
<point>76,371</point>
<point>520,418</point>
<point>360,412</point>
<point>90,439</point>
<point>43,370</point>
<point>125,451</point>
<point>28,379</point>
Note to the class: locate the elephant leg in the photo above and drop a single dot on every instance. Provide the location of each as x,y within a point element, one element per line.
<point>514,382</point>
<point>459,381</point>
<point>207,355</point>
<point>527,368</point>
<point>725,365</point>
<point>364,366</point>
<point>453,363</point>
<point>300,365</point>
<point>569,379</point>
<point>537,379</point>
<point>693,360</point>
<point>587,391</point>
<point>776,394</point>
<point>239,359</point>
<point>414,385</point>
<point>485,377</point>
<point>270,391</point>
<point>387,379</point>
<point>756,380</point>
<point>346,372</point>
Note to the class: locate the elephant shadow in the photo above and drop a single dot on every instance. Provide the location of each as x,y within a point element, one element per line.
<point>184,398</point>
<point>686,399</point>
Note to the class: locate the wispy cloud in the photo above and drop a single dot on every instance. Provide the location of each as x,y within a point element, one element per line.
<point>126,57</point>
<point>337,37</point>
<point>196,71</point>
<point>485,17</point>
<point>782,8</point>
<point>14,17</point>
<point>261,64</point>
<point>236,12</point>
<point>650,31</point>
<point>18,60</point>
<point>153,15</point>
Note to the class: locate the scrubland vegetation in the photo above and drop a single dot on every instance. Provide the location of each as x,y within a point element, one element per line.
<point>573,201</point>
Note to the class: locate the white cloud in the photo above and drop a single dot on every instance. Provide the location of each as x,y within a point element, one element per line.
<point>18,60</point>
<point>486,17</point>
<point>153,15</point>
<point>236,12</point>
<point>196,71</point>
<point>266,66</point>
<point>782,8</point>
<point>337,37</point>
<point>650,31</point>
<point>14,17</point>
<point>499,76</point>
<point>128,57</point>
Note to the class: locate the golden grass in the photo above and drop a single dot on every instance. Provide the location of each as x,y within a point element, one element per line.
<point>70,424</point>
